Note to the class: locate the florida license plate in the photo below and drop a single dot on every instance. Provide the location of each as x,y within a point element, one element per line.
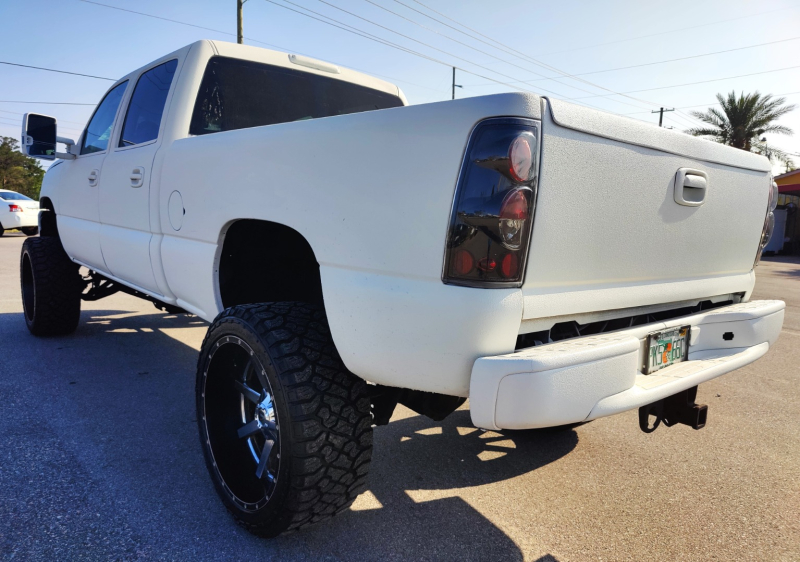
<point>666,348</point>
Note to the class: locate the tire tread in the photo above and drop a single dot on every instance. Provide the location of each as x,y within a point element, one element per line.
<point>329,409</point>
<point>56,281</point>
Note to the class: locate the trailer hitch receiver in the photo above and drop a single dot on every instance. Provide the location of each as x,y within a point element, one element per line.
<point>679,408</point>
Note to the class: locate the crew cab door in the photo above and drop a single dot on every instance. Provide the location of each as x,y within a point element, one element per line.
<point>125,230</point>
<point>78,190</point>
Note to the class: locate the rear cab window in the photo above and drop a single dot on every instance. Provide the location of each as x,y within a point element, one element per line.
<point>146,108</point>
<point>98,131</point>
<point>237,94</point>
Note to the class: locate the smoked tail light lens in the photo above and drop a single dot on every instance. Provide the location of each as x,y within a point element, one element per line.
<point>490,226</point>
<point>769,221</point>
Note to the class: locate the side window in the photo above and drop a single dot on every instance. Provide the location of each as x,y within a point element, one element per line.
<point>147,105</point>
<point>98,131</point>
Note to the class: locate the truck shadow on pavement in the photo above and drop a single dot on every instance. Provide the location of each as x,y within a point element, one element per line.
<point>123,391</point>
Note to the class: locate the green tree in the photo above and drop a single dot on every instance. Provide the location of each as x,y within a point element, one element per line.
<point>19,172</point>
<point>742,121</point>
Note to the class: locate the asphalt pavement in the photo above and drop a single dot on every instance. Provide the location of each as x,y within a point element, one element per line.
<point>99,459</point>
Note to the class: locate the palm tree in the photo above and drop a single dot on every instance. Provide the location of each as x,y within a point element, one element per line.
<point>741,122</point>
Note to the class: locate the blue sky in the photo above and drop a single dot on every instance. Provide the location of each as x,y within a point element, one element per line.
<point>568,37</point>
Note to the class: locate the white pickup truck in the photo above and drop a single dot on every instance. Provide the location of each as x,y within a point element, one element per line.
<point>552,263</point>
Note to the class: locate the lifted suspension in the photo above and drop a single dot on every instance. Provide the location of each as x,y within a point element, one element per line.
<point>97,287</point>
<point>675,409</point>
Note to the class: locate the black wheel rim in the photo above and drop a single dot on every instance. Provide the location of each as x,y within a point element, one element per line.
<point>241,423</point>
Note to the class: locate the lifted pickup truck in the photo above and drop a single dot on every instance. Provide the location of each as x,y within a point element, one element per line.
<point>552,263</point>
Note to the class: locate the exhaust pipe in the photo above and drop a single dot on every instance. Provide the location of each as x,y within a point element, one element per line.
<point>679,408</point>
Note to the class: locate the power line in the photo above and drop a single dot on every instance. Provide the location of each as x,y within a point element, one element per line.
<point>18,113</point>
<point>679,114</point>
<point>367,35</point>
<point>709,104</point>
<point>250,39</point>
<point>370,36</point>
<point>461,42</point>
<point>373,37</point>
<point>11,123</point>
<point>538,62</point>
<point>47,102</point>
<point>700,82</point>
<point>689,57</point>
<point>167,19</point>
<point>346,27</point>
<point>664,61</point>
<point>661,32</point>
<point>19,123</point>
<point>401,35</point>
<point>59,71</point>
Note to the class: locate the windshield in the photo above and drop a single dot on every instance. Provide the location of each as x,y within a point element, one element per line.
<point>13,196</point>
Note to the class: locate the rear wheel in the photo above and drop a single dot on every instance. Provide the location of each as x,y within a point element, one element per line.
<point>51,287</point>
<point>286,430</point>
<point>30,230</point>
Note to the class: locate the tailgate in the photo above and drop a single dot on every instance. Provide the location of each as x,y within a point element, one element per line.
<point>608,233</point>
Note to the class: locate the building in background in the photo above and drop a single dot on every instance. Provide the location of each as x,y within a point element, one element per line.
<point>786,239</point>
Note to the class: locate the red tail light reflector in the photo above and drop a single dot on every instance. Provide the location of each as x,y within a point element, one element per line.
<point>515,205</point>
<point>509,267</point>
<point>464,262</point>
<point>15,208</point>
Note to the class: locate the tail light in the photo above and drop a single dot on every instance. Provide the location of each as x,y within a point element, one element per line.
<point>490,226</point>
<point>15,209</point>
<point>769,221</point>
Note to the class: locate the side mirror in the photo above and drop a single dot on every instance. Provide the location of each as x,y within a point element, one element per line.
<point>39,138</point>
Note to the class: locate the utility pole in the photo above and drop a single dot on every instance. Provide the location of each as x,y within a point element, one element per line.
<point>239,33</point>
<point>661,115</point>
<point>454,83</point>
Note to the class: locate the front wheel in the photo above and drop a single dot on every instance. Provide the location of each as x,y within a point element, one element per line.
<point>51,287</point>
<point>285,428</point>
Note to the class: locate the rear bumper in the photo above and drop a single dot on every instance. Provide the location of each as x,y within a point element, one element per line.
<point>586,378</point>
<point>19,220</point>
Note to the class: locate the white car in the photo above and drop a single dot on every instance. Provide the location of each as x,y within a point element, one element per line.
<point>552,263</point>
<point>18,211</point>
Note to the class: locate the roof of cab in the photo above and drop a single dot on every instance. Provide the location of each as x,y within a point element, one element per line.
<point>305,64</point>
<point>278,58</point>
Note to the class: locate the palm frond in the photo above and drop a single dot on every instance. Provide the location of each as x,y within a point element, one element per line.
<point>742,119</point>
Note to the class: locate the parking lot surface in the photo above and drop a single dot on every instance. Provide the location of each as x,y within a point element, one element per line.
<point>99,459</point>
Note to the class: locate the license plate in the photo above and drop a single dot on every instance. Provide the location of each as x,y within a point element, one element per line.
<point>666,348</point>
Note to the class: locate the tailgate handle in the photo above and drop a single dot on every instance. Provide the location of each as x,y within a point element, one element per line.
<point>690,187</point>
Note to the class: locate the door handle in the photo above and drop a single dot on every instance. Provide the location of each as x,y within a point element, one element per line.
<point>93,175</point>
<point>137,176</point>
<point>691,187</point>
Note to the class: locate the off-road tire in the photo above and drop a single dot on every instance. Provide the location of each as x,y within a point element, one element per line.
<point>322,411</point>
<point>51,287</point>
<point>30,230</point>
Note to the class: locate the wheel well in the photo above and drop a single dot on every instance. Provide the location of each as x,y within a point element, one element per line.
<point>264,261</point>
<point>47,220</point>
